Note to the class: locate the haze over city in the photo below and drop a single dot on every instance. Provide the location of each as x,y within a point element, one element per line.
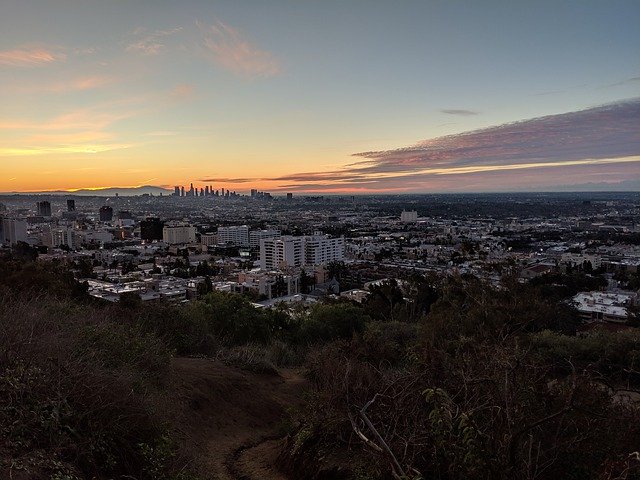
<point>333,97</point>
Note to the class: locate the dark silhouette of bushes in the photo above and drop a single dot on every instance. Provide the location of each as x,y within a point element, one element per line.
<point>79,394</point>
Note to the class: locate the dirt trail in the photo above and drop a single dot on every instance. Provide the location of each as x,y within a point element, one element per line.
<point>230,418</point>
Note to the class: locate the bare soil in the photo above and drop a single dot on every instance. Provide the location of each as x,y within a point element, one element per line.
<point>230,419</point>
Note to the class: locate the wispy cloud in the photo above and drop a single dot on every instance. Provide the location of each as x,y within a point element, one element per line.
<point>70,85</point>
<point>464,113</point>
<point>84,148</point>
<point>231,50</point>
<point>227,180</point>
<point>150,43</point>
<point>627,81</point>
<point>31,56</point>
<point>182,91</point>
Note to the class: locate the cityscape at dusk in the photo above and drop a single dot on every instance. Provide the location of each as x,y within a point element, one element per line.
<point>320,240</point>
<point>334,97</point>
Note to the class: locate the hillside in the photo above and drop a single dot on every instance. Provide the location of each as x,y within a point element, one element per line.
<point>231,419</point>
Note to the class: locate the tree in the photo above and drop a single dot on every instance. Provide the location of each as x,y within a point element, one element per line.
<point>279,288</point>
<point>306,281</point>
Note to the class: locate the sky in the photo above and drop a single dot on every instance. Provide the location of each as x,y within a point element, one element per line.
<point>358,96</point>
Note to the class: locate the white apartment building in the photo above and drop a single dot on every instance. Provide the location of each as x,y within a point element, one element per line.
<point>237,235</point>
<point>14,230</point>
<point>62,236</point>
<point>409,216</point>
<point>176,233</point>
<point>321,249</point>
<point>288,251</point>
<point>281,252</point>
<point>256,235</point>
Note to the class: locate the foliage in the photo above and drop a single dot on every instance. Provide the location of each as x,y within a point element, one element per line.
<point>77,392</point>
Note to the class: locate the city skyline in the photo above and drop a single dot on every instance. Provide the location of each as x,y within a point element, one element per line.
<point>331,97</point>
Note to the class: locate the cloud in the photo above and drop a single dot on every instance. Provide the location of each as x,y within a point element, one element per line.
<point>62,86</point>
<point>623,82</point>
<point>227,180</point>
<point>464,113</point>
<point>150,43</point>
<point>228,48</point>
<point>31,56</point>
<point>603,132</point>
<point>182,91</point>
<point>84,149</point>
<point>553,150</point>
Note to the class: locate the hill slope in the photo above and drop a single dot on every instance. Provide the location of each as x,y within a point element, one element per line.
<point>230,418</point>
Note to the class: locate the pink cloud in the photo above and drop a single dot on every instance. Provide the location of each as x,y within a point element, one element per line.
<point>228,48</point>
<point>151,43</point>
<point>182,91</point>
<point>31,56</point>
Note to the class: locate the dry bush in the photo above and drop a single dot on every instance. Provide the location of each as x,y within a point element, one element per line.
<point>79,394</point>
<point>486,411</point>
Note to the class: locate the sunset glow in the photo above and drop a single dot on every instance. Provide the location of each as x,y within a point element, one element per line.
<point>331,97</point>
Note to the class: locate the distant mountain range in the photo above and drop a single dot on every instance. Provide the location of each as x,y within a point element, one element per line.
<point>107,191</point>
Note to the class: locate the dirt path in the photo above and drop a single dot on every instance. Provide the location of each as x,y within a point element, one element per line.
<point>231,419</point>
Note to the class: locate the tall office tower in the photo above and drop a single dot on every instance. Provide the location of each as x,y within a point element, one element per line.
<point>206,190</point>
<point>210,190</point>
<point>44,208</point>
<point>182,191</point>
<point>191,191</point>
<point>176,191</point>
<point>289,196</point>
<point>201,192</point>
<point>222,191</point>
<point>106,213</point>
<point>71,205</point>
<point>254,192</point>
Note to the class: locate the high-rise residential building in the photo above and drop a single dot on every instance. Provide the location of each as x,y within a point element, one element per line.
<point>14,230</point>
<point>62,237</point>
<point>176,233</point>
<point>256,235</point>
<point>237,235</point>
<point>106,213</point>
<point>281,252</point>
<point>182,191</point>
<point>176,191</point>
<point>322,249</point>
<point>44,208</point>
<point>151,229</point>
<point>289,196</point>
<point>71,205</point>
<point>289,251</point>
<point>201,192</point>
